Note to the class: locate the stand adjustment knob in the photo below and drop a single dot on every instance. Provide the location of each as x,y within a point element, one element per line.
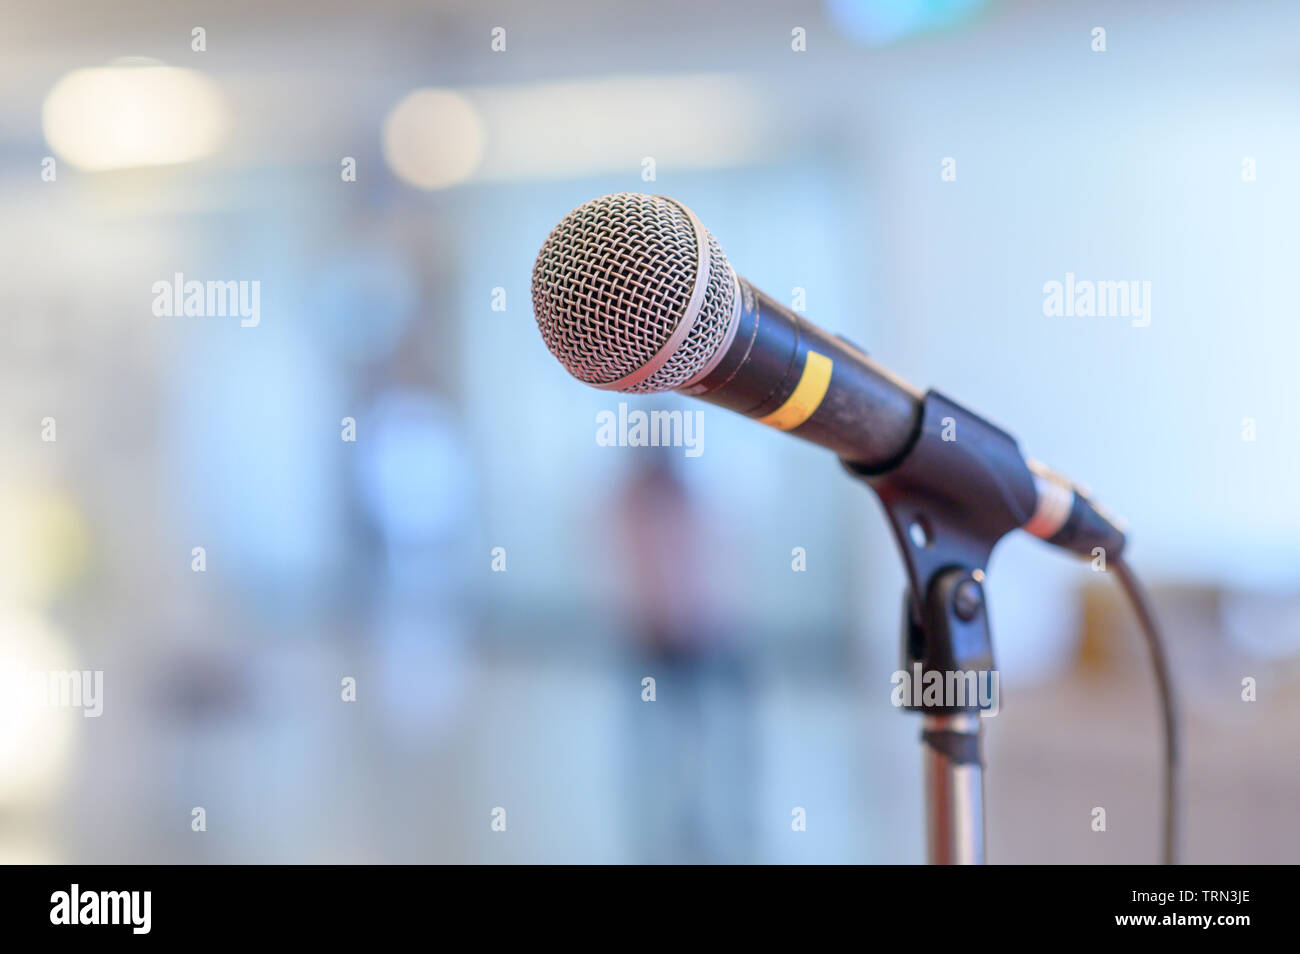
<point>967,599</point>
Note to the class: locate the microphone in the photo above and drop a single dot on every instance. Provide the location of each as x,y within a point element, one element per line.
<point>632,293</point>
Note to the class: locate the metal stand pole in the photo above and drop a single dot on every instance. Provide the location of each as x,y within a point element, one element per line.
<point>954,790</point>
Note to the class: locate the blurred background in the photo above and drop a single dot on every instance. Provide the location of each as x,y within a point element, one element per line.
<point>385,485</point>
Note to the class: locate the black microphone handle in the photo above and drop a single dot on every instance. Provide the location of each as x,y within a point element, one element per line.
<point>827,390</point>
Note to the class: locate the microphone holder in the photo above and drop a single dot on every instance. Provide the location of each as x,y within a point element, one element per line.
<point>953,494</point>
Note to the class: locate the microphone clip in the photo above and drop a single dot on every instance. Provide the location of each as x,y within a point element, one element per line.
<point>960,487</point>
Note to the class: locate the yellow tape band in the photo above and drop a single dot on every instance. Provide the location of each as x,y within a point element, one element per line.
<point>807,396</point>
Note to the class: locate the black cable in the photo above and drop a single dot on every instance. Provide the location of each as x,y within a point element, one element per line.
<point>1168,703</point>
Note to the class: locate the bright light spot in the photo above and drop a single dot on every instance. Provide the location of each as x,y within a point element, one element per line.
<point>433,138</point>
<point>34,736</point>
<point>120,116</point>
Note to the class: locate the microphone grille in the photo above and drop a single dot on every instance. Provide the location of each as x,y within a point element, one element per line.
<point>620,297</point>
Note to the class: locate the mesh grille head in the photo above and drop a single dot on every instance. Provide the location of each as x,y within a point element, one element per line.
<point>615,294</point>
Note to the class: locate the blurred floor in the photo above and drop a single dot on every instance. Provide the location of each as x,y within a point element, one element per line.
<point>545,741</point>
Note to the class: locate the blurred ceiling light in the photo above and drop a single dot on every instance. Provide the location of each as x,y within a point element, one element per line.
<point>878,24</point>
<point>433,138</point>
<point>134,113</point>
<point>569,129</point>
<point>436,138</point>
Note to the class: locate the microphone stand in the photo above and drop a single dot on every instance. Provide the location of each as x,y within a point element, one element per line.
<point>948,502</point>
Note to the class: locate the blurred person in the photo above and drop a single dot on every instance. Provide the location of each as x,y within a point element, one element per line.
<point>689,749</point>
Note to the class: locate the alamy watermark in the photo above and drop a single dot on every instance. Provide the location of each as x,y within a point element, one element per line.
<point>56,689</point>
<point>127,908</point>
<point>176,297</point>
<point>947,689</point>
<point>651,429</point>
<point>1098,299</point>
